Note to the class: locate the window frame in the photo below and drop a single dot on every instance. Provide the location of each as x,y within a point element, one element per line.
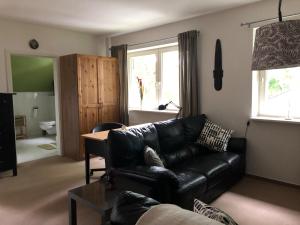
<point>158,51</point>
<point>258,93</point>
<point>258,98</point>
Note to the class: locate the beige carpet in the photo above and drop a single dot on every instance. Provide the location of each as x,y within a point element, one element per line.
<point>38,196</point>
<point>258,202</point>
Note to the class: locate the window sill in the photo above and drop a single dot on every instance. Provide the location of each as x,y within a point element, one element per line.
<point>275,120</point>
<point>154,111</point>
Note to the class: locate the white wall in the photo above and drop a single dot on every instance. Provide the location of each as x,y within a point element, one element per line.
<point>103,45</point>
<point>273,148</point>
<point>55,42</point>
<point>24,103</point>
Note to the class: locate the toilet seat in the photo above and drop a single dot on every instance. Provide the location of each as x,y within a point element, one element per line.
<point>47,123</point>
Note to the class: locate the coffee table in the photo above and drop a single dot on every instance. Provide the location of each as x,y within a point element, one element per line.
<point>98,196</point>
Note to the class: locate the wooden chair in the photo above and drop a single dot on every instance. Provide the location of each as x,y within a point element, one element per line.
<point>100,149</point>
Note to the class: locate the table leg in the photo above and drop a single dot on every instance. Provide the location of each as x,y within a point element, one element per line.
<point>87,166</point>
<point>105,217</point>
<point>15,173</point>
<point>72,212</point>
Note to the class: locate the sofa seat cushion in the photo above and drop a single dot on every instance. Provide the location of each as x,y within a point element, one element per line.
<point>232,159</point>
<point>190,180</point>
<point>214,170</point>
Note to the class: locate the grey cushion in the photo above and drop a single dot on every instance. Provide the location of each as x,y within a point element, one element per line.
<point>151,157</point>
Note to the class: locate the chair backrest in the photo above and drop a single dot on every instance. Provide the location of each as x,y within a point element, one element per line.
<point>106,126</point>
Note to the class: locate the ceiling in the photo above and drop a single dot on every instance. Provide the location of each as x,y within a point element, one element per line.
<point>110,16</point>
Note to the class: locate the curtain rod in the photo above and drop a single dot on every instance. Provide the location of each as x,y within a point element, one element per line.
<point>148,42</point>
<point>264,20</point>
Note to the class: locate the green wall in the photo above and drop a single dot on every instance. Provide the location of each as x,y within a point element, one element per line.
<point>32,74</point>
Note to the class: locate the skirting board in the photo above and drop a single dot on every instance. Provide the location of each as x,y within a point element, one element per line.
<point>273,181</point>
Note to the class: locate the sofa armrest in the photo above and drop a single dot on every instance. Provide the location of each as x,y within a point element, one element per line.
<point>156,182</point>
<point>237,145</point>
<point>149,175</point>
<point>129,207</point>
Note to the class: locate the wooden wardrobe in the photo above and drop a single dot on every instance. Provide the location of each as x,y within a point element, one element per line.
<point>89,95</point>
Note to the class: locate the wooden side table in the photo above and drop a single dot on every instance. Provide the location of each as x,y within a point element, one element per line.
<point>21,126</point>
<point>97,196</point>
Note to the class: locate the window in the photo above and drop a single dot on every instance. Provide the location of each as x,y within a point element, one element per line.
<point>158,70</point>
<point>276,93</point>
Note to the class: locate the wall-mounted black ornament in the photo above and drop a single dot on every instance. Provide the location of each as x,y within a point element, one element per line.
<point>218,71</point>
<point>33,44</point>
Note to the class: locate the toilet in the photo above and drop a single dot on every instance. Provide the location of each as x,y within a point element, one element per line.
<point>48,126</point>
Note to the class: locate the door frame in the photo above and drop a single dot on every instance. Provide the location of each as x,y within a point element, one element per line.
<point>56,77</point>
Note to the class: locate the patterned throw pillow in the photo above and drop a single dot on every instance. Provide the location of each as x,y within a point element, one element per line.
<point>214,137</point>
<point>212,213</point>
<point>151,158</point>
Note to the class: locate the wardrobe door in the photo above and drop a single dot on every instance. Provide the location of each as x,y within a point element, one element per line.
<point>88,94</point>
<point>109,89</point>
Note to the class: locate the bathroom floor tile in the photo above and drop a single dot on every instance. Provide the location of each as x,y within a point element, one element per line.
<point>28,150</point>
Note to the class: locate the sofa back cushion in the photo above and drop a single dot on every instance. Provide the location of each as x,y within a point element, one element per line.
<point>126,147</point>
<point>171,139</point>
<point>170,134</point>
<point>171,159</point>
<point>150,136</point>
<point>193,126</point>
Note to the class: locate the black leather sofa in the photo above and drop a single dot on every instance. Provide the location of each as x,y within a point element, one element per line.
<point>129,207</point>
<point>192,171</point>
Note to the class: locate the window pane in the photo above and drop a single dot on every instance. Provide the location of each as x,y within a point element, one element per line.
<point>281,93</point>
<point>143,67</point>
<point>170,78</point>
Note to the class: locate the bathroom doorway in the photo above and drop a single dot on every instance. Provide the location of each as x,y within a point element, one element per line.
<point>35,101</point>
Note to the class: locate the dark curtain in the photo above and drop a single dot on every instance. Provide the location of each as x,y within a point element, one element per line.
<point>188,73</point>
<point>120,52</point>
